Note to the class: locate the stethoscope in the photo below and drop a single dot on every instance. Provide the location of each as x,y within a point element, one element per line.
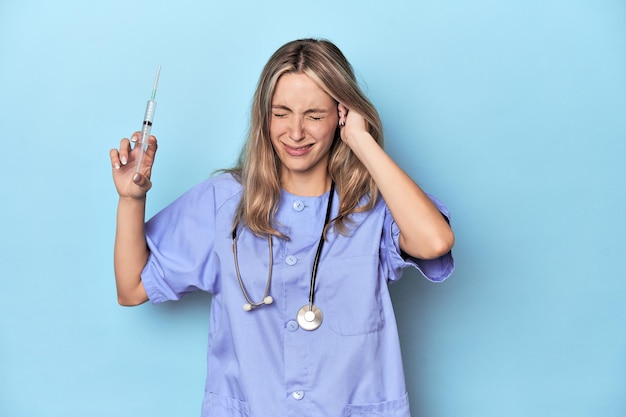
<point>309,317</point>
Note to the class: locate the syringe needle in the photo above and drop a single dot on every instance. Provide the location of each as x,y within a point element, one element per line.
<point>156,82</point>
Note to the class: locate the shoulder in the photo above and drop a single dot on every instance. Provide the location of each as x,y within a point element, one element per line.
<point>379,207</point>
<point>214,191</point>
<point>224,186</point>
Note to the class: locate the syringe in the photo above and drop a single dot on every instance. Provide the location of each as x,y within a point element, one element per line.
<point>142,144</point>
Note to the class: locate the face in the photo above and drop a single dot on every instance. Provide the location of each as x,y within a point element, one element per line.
<point>302,128</point>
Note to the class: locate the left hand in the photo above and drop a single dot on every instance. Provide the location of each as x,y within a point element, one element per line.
<point>424,233</point>
<point>351,124</point>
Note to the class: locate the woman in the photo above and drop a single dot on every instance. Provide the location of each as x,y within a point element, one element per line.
<point>296,244</point>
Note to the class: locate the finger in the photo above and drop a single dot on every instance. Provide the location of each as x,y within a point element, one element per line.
<point>142,181</point>
<point>115,158</point>
<point>149,155</point>
<point>124,150</point>
<point>135,137</point>
<point>152,146</point>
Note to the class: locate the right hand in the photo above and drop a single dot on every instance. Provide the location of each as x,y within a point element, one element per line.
<point>128,183</point>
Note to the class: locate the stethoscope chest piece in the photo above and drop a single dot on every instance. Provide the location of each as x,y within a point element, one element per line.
<point>310,318</point>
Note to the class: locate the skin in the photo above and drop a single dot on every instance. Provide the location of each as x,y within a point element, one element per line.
<point>131,249</point>
<point>424,233</point>
<point>304,120</point>
<point>302,127</point>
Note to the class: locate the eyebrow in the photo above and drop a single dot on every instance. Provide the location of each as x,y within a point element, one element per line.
<point>309,111</point>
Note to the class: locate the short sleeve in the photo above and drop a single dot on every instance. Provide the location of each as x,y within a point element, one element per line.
<point>180,239</point>
<point>395,261</point>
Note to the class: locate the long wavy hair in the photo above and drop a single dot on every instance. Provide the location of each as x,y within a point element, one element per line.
<point>258,167</point>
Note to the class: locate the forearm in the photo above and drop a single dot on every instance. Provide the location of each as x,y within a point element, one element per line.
<point>424,232</point>
<point>131,251</point>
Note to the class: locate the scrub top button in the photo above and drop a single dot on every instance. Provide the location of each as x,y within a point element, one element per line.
<point>298,205</point>
<point>292,325</point>
<point>298,395</point>
<point>291,260</point>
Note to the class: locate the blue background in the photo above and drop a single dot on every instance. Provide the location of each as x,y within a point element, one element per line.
<point>512,112</point>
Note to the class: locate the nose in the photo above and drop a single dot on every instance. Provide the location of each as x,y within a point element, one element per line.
<point>296,129</point>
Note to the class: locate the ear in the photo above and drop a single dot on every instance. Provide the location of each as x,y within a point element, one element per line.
<point>343,113</point>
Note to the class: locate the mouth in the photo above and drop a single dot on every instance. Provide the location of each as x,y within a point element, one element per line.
<point>298,151</point>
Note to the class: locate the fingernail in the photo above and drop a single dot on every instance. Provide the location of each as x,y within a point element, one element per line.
<point>136,178</point>
<point>124,160</point>
<point>133,138</point>
<point>116,166</point>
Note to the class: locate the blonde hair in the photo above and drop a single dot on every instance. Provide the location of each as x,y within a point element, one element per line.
<point>258,168</point>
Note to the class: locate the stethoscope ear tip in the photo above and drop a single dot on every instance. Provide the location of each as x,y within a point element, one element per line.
<point>309,317</point>
<point>249,306</point>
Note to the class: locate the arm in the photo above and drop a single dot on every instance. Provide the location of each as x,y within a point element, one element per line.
<point>424,232</point>
<point>131,249</point>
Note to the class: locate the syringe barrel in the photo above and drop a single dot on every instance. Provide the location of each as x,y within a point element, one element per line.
<point>142,143</point>
<point>147,122</point>
<point>150,108</point>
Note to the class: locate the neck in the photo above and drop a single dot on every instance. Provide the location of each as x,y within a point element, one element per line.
<point>306,186</point>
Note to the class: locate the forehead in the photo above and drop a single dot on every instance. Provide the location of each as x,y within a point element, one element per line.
<point>300,91</point>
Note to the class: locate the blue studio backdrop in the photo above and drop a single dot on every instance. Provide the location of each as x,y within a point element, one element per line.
<point>511,112</point>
